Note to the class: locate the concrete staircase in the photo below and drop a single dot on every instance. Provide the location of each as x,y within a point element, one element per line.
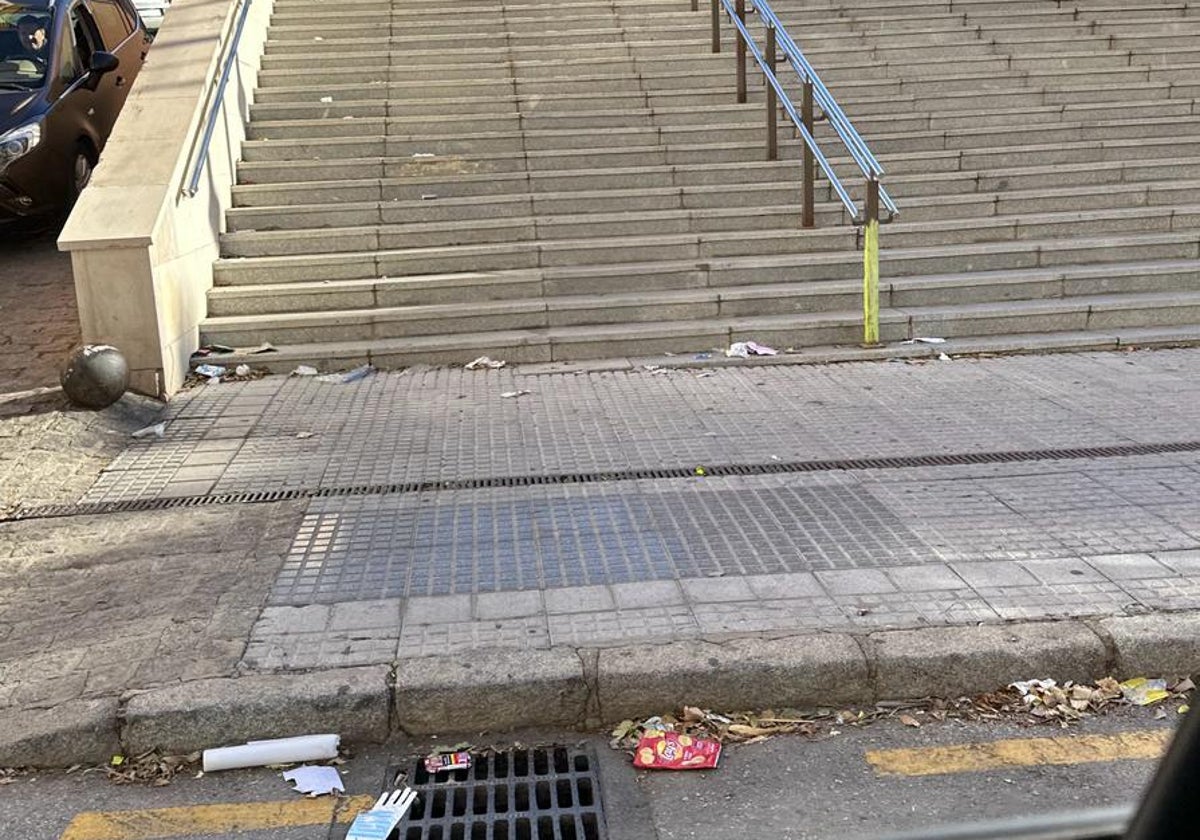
<point>571,179</point>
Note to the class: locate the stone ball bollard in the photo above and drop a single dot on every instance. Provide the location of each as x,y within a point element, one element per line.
<point>95,376</point>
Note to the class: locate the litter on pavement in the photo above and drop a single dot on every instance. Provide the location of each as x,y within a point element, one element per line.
<point>512,395</point>
<point>156,431</point>
<point>672,751</point>
<point>444,762</point>
<point>924,339</point>
<point>274,751</point>
<point>485,362</point>
<point>1143,692</point>
<point>211,371</point>
<point>304,370</point>
<point>314,781</point>
<point>745,349</point>
<point>360,372</point>
<point>381,820</point>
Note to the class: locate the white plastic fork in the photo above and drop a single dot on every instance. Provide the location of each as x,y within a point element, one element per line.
<point>383,817</point>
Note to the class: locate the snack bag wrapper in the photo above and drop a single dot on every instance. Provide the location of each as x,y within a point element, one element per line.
<point>672,751</point>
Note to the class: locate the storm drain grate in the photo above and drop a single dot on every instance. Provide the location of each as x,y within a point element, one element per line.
<point>951,459</point>
<point>542,793</point>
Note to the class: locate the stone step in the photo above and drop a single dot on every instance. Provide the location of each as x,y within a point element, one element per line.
<point>285,272</point>
<point>700,180</point>
<point>695,209</point>
<point>545,342</point>
<point>763,298</point>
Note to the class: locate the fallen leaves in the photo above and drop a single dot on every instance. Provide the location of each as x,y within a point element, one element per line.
<point>149,768</point>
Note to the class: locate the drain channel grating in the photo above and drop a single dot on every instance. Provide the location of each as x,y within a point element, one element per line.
<point>952,459</point>
<point>543,793</point>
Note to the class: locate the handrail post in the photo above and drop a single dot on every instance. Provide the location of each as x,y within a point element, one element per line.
<point>772,104</point>
<point>871,265</point>
<point>716,26</point>
<point>740,10</point>
<point>808,215</point>
<point>695,5</point>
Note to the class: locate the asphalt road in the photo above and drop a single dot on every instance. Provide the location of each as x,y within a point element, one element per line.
<point>785,787</point>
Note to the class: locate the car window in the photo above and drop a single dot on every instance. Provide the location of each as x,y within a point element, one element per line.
<point>114,26</point>
<point>69,68</point>
<point>25,45</point>
<point>86,35</point>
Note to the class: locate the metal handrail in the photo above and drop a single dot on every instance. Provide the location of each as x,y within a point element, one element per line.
<point>815,93</point>
<point>213,105</point>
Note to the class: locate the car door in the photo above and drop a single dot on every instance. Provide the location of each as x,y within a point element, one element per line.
<point>122,37</point>
<point>108,94</point>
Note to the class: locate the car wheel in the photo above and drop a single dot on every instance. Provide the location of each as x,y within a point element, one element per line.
<point>81,172</point>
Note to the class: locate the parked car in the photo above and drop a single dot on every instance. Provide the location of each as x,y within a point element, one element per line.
<point>65,71</point>
<point>152,12</point>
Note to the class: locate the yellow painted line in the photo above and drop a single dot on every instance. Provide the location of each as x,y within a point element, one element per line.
<point>219,820</point>
<point>1019,752</point>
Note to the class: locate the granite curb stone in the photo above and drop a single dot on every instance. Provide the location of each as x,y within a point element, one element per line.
<point>76,732</point>
<point>813,670</point>
<point>1166,645</point>
<point>352,702</point>
<point>497,690</point>
<point>490,689</point>
<point>953,661</point>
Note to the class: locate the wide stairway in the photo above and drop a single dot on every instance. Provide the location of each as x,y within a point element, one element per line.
<point>572,179</point>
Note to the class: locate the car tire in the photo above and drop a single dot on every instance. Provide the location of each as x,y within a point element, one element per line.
<point>82,164</point>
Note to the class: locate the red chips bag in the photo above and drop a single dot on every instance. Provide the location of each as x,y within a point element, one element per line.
<point>672,751</point>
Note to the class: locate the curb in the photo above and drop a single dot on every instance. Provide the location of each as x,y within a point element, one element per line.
<point>499,690</point>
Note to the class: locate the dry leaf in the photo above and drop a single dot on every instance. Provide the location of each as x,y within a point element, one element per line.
<point>909,720</point>
<point>744,731</point>
<point>693,715</point>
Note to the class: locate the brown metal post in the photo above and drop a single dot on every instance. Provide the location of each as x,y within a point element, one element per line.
<point>740,10</point>
<point>772,105</point>
<point>810,163</point>
<point>695,5</point>
<point>716,26</point>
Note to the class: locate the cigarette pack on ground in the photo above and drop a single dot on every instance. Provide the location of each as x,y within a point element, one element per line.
<point>444,762</point>
<point>672,751</point>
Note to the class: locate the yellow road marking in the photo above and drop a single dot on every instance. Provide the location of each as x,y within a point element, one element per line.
<point>1018,752</point>
<point>219,820</point>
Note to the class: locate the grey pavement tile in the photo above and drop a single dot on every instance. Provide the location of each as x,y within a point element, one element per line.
<point>439,639</point>
<point>927,577</point>
<point>910,609</point>
<point>1186,562</point>
<point>650,593</point>
<point>437,609</point>
<point>493,605</point>
<point>284,621</point>
<point>855,581</point>
<point>1165,593</point>
<point>1059,600</point>
<point>785,585</point>
<point>1123,567</point>
<point>765,616</point>
<point>381,614</point>
<point>710,590</point>
<point>643,624</point>
<point>993,574</point>
<point>1062,570</point>
<point>578,599</point>
<point>181,489</point>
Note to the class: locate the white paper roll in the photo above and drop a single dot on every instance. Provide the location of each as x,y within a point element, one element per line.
<point>277,751</point>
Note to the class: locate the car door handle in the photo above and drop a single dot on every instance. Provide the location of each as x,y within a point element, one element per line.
<point>120,81</point>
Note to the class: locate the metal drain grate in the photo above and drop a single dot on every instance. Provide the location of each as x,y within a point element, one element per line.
<point>951,459</point>
<point>543,793</point>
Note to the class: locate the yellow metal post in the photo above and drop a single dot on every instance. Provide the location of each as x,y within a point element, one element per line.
<point>871,265</point>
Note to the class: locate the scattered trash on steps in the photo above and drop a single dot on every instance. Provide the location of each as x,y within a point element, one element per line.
<point>512,395</point>
<point>381,820</point>
<point>942,357</point>
<point>745,349</point>
<point>211,372</point>
<point>274,751</point>
<point>314,781</point>
<point>923,339</point>
<point>304,370</point>
<point>485,362</point>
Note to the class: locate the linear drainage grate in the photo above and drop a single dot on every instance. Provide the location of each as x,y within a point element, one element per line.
<point>542,793</point>
<point>955,459</point>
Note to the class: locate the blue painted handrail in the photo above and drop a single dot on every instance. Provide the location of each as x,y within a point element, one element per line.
<point>214,103</point>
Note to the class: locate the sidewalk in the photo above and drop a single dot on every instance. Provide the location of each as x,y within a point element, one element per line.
<point>415,550</point>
